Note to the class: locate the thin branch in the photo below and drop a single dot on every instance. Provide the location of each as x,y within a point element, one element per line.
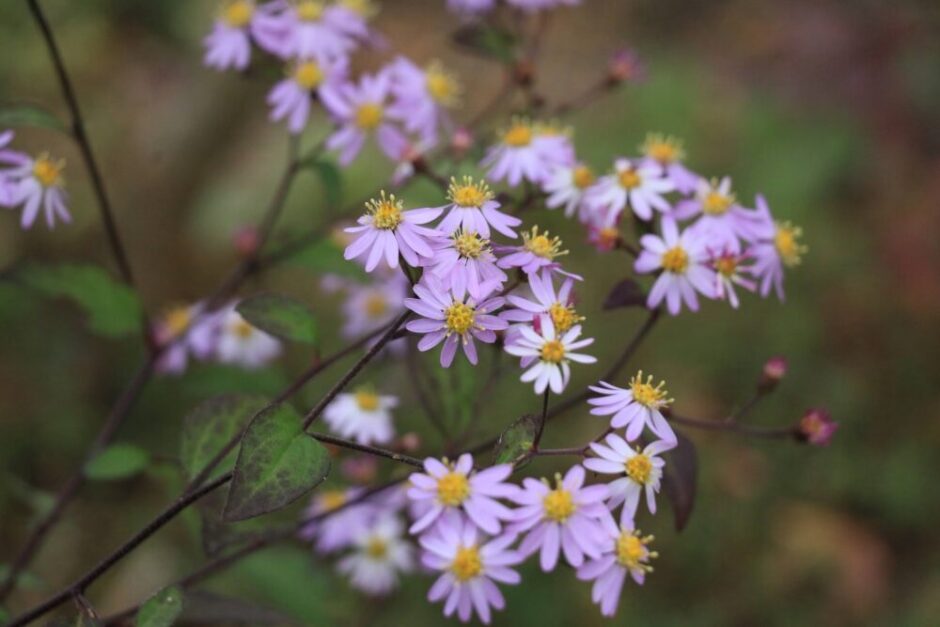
<point>789,432</point>
<point>371,450</point>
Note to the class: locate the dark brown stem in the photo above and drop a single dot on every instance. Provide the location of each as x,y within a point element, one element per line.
<point>790,432</point>
<point>544,419</point>
<point>584,98</point>
<point>371,450</point>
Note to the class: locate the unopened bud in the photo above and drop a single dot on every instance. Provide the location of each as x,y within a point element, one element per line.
<point>461,141</point>
<point>625,65</point>
<point>817,427</point>
<point>246,241</point>
<point>774,370</point>
<point>409,442</point>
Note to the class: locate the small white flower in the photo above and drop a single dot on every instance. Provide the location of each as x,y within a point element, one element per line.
<point>639,187</point>
<point>244,345</point>
<point>551,369</point>
<point>566,187</point>
<point>363,416</point>
<point>641,471</point>
<point>380,554</point>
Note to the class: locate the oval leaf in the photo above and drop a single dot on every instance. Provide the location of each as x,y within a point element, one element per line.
<point>680,479</point>
<point>212,425</point>
<point>162,609</point>
<point>30,115</point>
<point>118,461</point>
<point>627,293</point>
<point>277,464</point>
<point>515,443</point>
<point>281,316</point>
<point>112,308</point>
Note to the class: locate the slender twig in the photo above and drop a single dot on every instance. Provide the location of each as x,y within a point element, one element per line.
<point>734,427</point>
<point>584,98</point>
<point>84,145</point>
<point>371,450</point>
<point>542,421</point>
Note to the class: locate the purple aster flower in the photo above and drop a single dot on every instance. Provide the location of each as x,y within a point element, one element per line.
<point>729,272</point>
<point>637,186</point>
<point>628,553</point>
<point>388,231</point>
<point>566,187</point>
<point>456,488</point>
<point>564,518</point>
<point>184,331</point>
<point>473,209</point>
<point>667,152</point>
<point>634,408</point>
<point>682,259</point>
<point>639,471</point>
<point>537,252</point>
<point>527,152</point>
<point>422,97</point>
<point>559,306</point>
<point>464,263</point>
<point>34,183</point>
<point>370,307</point>
<point>455,320</point>
<point>551,354</point>
<point>338,531</point>
<point>229,43</point>
<point>722,221</point>
<point>306,29</point>
<point>291,97</point>
<point>380,554</point>
<point>470,565</point>
<point>361,109</point>
<point>776,246</point>
<point>817,427</point>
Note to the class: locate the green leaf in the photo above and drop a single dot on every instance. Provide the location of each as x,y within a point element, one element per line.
<point>326,256</point>
<point>330,177</point>
<point>211,425</point>
<point>112,308</point>
<point>281,316</point>
<point>118,461</point>
<point>30,115</point>
<point>515,443</point>
<point>162,609</point>
<point>277,464</point>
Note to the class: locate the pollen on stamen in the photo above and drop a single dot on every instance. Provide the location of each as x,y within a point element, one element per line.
<point>646,394</point>
<point>469,193</point>
<point>237,14</point>
<point>519,133</point>
<point>310,10</point>
<point>714,202</point>
<point>369,115</point>
<point>308,74</point>
<point>386,211</point>
<point>542,244</point>
<point>563,316</point>
<point>633,552</point>
<point>787,244</point>
<point>48,171</point>
<point>470,245</point>
<point>459,318</point>
<point>675,260</point>
<point>663,148</point>
<point>442,85</point>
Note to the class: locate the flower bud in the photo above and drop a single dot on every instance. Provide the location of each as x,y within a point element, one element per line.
<point>625,65</point>
<point>246,241</point>
<point>409,442</point>
<point>774,370</point>
<point>816,427</point>
<point>461,141</point>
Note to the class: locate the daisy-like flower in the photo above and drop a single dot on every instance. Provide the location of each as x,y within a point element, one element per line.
<point>34,183</point>
<point>182,331</point>
<point>380,554</point>
<point>639,472</point>
<point>628,554</point>
<point>470,564</point>
<point>722,221</point>
<point>776,248</point>
<point>637,186</point>
<point>363,416</point>
<point>372,306</point>
<point>538,251</point>
<point>667,152</point>
<point>603,230</point>
<point>229,43</point>
<point>634,408</point>
<point>361,110</point>
<point>566,186</point>
<point>728,273</point>
<point>422,97</point>
<point>242,344</point>
<point>559,306</point>
<point>465,263</point>
<point>305,29</point>
<point>290,98</point>
<point>526,152</point>
<point>455,487</point>
<point>560,518</point>
<point>552,354</point>
<point>387,231</point>
<point>681,257</point>
<point>455,320</point>
<point>335,531</point>
<point>473,209</point>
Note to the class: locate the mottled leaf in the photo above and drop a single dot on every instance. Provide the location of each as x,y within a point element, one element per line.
<point>118,461</point>
<point>29,115</point>
<point>162,609</point>
<point>281,316</point>
<point>515,443</point>
<point>626,293</point>
<point>211,425</point>
<point>112,308</point>
<point>277,464</point>
<point>680,479</point>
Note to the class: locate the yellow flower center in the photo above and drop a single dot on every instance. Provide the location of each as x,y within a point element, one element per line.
<point>542,245</point>
<point>308,75</point>
<point>787,244</point>
<point>467,563</point>
<point>608,236</point>
<point>632,552</point>
<point>558,504</point>
<point>553,351</point>
<point>377,548</point>
<point>367,400</point>
<point>368,116</point>
<point>629,179</point>
<point>714,203</point>
<point>663,149</point>
<point>442,85</point>
<point>376,306</point>
<point>238,14</point>
<point>47,171</point>
<point>563,316</point>
<point>459,318</point>
<point>518,135</point>
<point>333,499</point>
<point>726,265</point>
<point>675,260</point>
<point>469,245</point>
<point>363,8</point>
<point>453,489</point>
<point>583,177</point>
<point>309,10</point>
<point>639,467</point>
<point>386,212</point>
<point>646,394</point>
<point>241,329</point>
<point>177,320</point>
<point>469,193</point>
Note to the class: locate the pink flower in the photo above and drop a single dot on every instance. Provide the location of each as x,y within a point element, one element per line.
<point>817,427</point>
<point>388,231</point>
<point>537,252</point>
<point>229,43</point>
<point>776,246</point>
<point>422,97</point>
<point>337,531</point>
<point>456,488</point>
<point>627,553</point>
<point>361,109</point>
<point>637,186</point>
<point>453,319</point>
<point>681,257</point>
<point>34,183</point>
<point>473,209</point>
<point>307,29</point>
<point>470,564</point>
<point>184,331</point>
<point>560,519</point>
<point>667,153</point>
<point>464,263</point>
<point>566,187</point>
<point>729,271</point>
<point>634,408</point>
<point>722,221</point>
<point>527,152</point>
<point>557,305</point>
<point>291,97</point>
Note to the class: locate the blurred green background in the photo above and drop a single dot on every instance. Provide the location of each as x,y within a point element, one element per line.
<point>829,108</point>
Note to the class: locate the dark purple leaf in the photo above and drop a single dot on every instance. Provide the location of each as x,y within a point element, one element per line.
<point>680,479</point>
<point>627,293</point>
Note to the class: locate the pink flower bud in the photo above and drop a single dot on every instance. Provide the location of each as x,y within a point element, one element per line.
<point>461,141</point>
<point>817,427</point>
<point>625,65</point>
<point>774,370</point>
<point>246,241</point>
<point>409,442</point>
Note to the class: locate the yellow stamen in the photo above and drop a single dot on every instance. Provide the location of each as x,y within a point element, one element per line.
<point>442,85</point>
<point>467,563</point>
<point>47,171</point>
<point>332,499</point>
<point>563,316</point>
<point>675,260</point>
<point>645,394</point>
<point>369,115</point>
<point>558,504</point>
<point>519,134</point>
<point>238,14</point>
<point>662,148</point>
<point>376,306</point>
<point>177,320</point>
<point>363,8</point>
<point>386,212</point>
<point>715,203</point>
<point>367,400</point>
<point>542,245</point>
<point>453,489</point>
<point>309,10</point>
<point>726,265</point>
<point>553,351</point>
<point>787,244</point>
<point>468,193</point>
<point>377,548</point>
<point>308,75</point>
<point>632,552</point>
<point>639,468</point>
<point>241,329</point>
<point>583,177</point>
<point>470,245</point>
<point>459,318</point>
<point>629,178</point>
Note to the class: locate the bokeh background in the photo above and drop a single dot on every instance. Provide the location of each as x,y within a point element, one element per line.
<point>829,108</point>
